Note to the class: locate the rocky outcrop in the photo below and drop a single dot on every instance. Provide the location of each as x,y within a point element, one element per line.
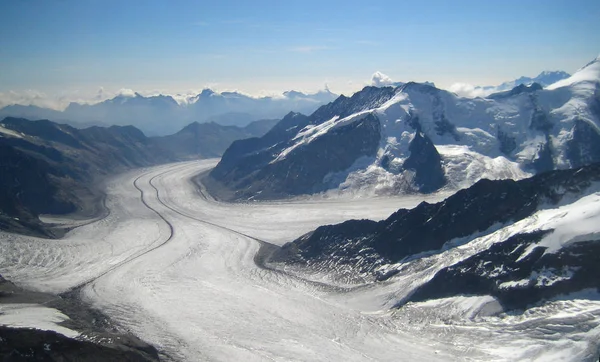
<point>584,146</point>
<point>364,245</point>
<point>22,344</point>
<point>426,162</point>
<point>518,277</point>
<point>249,169</point>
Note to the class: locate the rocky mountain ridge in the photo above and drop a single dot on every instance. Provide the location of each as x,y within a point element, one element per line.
<point>513,134</point>
<point>495,238</point>
<point>51,168</point>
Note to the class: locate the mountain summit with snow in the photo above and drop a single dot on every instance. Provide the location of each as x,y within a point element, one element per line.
<point>416,137</point>
<point>544,79</point>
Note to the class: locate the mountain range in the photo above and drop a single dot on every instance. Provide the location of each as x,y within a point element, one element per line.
<point>418,138</point>
<point>544,79</point>
<point>162,114</point>
<point>51,168</point>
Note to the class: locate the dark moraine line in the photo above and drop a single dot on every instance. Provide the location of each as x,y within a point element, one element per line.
<point>265,249</point>
<point>134,257</point>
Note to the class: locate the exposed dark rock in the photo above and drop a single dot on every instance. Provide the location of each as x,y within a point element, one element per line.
<point>518,277</point>
<point>443,126</point>
<point>45,130</point>
<point>540,121</point>
<point>367,98</point>
<point>246,156</point>
<point>426,161</point>
<point>304,168</point>
<point>20,344</point>
<point>27,182</point>
<point>544,161</point>
<point>584,147</point>
<point>247,168</point>
<point>507,142</point>
<point>385,162</point>
<point>110,343</point>
<point>364,245</point>
<point>54,168</point>
<point>521,88</point>
<point>413,121</point>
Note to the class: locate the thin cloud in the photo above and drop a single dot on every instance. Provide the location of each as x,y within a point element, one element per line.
<point>469,91</point>
<point>28,97</point>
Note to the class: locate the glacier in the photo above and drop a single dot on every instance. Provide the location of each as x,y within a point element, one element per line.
<point>177,268</point>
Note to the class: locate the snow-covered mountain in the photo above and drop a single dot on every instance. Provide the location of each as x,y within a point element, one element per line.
<point>544,79</point>
<point>417,137</point>
<point>162,114</point>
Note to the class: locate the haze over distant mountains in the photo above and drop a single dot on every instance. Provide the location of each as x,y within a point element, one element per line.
<point>544,79</point>
<point>162,114</point>
<point>46,167</point>
<point>165,114</point>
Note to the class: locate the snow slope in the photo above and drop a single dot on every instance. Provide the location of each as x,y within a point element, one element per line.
<point>587,74</point>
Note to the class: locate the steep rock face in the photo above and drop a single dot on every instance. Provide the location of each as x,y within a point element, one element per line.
<point>516,276</point>
<point>368,98</point>
<point>365,245</point>
<point>304,168</point>
<point>426,162</point>
<point>246,156</point>
<point>584,146</point>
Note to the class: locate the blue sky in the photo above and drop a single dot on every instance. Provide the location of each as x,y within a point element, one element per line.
<point>80,46</point>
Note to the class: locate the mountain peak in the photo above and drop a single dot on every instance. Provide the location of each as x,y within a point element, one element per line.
<point>207,92</point>
<point>547,73</point>
<point>293,94</point>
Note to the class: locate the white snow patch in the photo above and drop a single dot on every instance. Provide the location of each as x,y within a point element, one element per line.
<point>469,307</point>
<point>463,167</point>
<point>9,132</point>
<point>589,73</point>
<point>34,316</point>
<point>577,221</point>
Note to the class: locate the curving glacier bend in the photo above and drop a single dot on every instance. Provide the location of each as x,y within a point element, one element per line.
<point>177,269</point>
